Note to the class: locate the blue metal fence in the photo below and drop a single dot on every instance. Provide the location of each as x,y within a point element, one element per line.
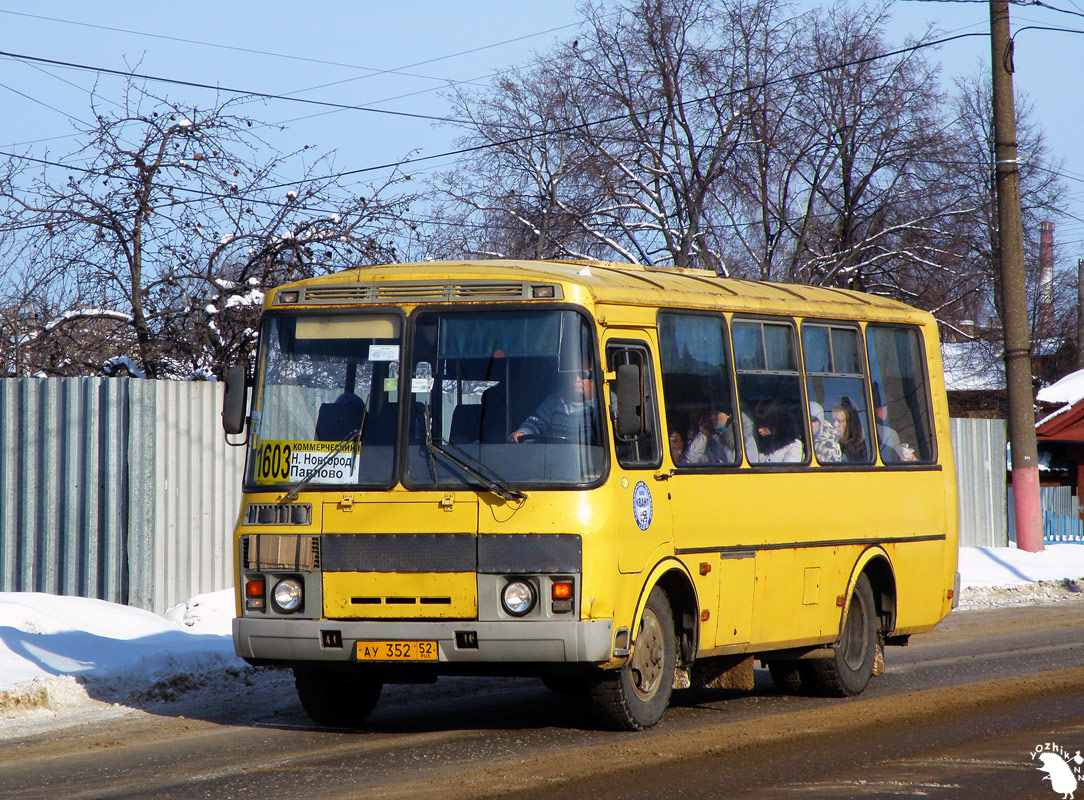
<point>1061,528</point>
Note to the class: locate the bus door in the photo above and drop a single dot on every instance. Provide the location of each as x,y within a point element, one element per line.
<point>642,504</point>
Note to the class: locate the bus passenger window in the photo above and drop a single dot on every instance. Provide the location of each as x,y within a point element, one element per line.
<point>836,387</point>
<point>697,390</point>
<point>901,403</point>
<point>769,392</point>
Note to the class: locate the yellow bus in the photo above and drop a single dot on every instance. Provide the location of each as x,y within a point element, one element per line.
<point>616,478</point>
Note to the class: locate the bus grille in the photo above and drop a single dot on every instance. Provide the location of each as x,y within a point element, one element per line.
<point>278,514</point>
<point>274,551</point>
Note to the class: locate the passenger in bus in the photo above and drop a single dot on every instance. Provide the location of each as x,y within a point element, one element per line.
<point>825,439</point>
<point>776,438</point>
<point>893,451</point>
<point>712,443</point>
<point>677,446</point>
<point>852,441</point>
<point>566,415</point>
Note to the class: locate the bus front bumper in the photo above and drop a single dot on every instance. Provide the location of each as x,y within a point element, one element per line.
<point>537,641</point>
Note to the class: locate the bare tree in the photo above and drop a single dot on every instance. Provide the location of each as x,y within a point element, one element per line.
<point>874,201</point>
<point>661,71</point>
<point>763,202</point>
<point>157,237</point>
<point>531,185</point>
<point>975,234</point>
<point>609,147</point>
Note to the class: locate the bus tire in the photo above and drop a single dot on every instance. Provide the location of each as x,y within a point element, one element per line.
<point>336,698</point>
<point>849,669</point>
<point>567,685</point>
<point>634,697</point>
<point>789,676</point>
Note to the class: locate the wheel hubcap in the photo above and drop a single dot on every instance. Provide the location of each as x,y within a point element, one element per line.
<point>648,656</point>
<point>855,637</point>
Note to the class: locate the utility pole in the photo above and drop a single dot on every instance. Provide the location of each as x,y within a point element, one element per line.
<point>1080,313</point>
<point>1010,235</point>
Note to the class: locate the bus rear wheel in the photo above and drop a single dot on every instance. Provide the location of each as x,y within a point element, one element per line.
<point>790,676</point>
<point>336,698</point>
<point>634,697</point>
<point>849,669</point>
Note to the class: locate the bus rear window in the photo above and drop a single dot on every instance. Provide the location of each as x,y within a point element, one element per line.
<point>901,402</point>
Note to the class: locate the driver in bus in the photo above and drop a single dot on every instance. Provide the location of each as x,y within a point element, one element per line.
<point>566,415</point>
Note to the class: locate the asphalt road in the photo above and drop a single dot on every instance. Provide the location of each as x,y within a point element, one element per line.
<point>958,714</point>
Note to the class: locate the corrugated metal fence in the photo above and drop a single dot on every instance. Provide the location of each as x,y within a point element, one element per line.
<point>978,448</point>
<point>116,488</point>
<point>986,504</point>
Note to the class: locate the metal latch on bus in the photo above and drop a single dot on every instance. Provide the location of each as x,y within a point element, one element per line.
<point>447,501</point>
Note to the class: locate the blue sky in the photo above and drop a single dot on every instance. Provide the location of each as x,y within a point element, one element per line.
<point>397,56</point>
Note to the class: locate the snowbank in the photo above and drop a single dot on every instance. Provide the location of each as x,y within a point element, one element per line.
<point>43,635</point>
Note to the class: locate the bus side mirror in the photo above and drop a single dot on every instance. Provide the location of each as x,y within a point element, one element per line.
<point>235,401</point>
<point>630,401</point>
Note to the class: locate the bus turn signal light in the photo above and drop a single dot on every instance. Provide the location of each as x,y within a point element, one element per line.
<point>561,594</point>
<point>255,593</point>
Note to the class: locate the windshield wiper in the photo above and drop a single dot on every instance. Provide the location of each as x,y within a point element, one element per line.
<point>470,465</point>
<point>354,437</point>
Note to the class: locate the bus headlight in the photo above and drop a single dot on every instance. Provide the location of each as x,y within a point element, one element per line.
<point>518,597</point>
<point>287,595</point>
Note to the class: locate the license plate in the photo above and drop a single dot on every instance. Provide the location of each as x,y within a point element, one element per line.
<point>397,651</point>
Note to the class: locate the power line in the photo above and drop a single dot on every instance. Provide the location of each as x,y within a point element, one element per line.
<point>695,100</point>
<point>373,71</point>
<point>228,89</point>
<point>40,103</point>
<point>434,118</point>
<point>533,134</point>
<point>1041,4</point>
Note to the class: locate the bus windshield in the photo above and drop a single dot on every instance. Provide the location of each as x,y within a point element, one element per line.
<point>510,395</point>
<point>327,408</point>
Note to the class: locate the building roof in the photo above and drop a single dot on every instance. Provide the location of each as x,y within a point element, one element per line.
<point>972,367</point>
<point>1066,424</point>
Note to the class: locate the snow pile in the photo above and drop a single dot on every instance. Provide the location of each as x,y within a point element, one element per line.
<point>994,577</point>
<point>1067,390</point>
<point>63,657</point>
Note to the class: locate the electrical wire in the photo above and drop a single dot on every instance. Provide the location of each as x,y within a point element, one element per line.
<point>372,71</point>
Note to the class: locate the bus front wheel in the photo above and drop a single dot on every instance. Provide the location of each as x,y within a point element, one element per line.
<point>849,669</point>
<point>634,697</point>
<point>336,698</point>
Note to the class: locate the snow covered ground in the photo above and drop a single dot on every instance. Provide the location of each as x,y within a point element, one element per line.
<point>64,659</point>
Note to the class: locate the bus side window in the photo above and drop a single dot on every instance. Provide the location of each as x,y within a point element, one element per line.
<point>697,390</point>
<point>642,451</point>
<point>770,392</point>
<point>901,403</point>
<point>835,383</point>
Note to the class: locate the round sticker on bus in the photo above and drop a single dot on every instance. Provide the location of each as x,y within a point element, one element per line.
<point>641,505</point>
